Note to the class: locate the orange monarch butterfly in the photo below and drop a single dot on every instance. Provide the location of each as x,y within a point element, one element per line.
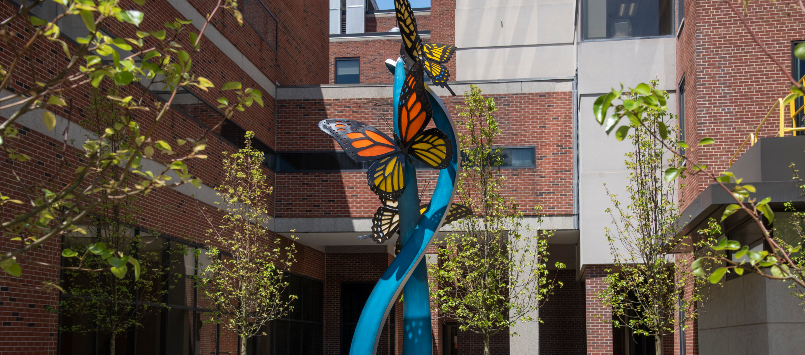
<point>386,220</point>
<point>363,142</point>
<point>433,55</point>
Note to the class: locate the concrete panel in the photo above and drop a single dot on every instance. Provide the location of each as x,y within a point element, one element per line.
<point>605,64</point>
<point>751,315</point>
<point>335,17</point>
<point>510,23</point>
<point>516,63</point>
<point>356,16</point>
<point>601,161</point>
<point>515,26</point>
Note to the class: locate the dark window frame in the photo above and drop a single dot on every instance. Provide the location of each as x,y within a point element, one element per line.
<point>680,99</point>
<point>131,343</point>
<point>582,5</point>
<point>346,59</point>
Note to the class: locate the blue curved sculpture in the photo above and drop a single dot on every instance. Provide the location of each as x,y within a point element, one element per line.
<point>408,272</point>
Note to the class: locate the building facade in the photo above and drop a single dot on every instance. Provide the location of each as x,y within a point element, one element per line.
<point>544,63</point>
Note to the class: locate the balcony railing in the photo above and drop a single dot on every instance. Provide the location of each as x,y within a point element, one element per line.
<point>780,103</point>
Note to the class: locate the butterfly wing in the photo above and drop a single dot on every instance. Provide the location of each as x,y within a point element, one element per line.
<point>457,212</point>
<point>439,53</point>
<point>359,140</point>
<point>385,223</point>
<point>414,106</point>
<point>386,176</point>
<point>433,148</point>
<point>439,75</point>
<point>412,43</point>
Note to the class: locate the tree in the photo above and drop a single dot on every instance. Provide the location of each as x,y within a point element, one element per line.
<point>647,288</point>
<point>493,273</point>
<point>244,280</point>
<point>47,209</point>
<point>782,262</point>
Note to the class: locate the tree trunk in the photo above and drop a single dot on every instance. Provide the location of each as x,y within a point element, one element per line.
<point>112,344</point>
<point>658,344</point>
<point>243,345</point>
<point>487,351</point>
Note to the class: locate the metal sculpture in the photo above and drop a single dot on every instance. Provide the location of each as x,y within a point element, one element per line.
<point>392,176</point>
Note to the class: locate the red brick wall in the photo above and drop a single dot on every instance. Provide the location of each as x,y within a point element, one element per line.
<point>374,52</point>
<point>735,83</point>
<point>301,40</point>
<point>599,334</point>
<point>26,327</point>
<point>563,331</point>
<point>523,118</point>
<point>470,343</point>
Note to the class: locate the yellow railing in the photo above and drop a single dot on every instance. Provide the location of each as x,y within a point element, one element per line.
<point>793,112</point>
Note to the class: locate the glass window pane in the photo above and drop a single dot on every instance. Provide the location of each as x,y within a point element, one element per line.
<point>180,325</point>
<point>627,18</point>
<point>150,332</point>
<point>347,71</point>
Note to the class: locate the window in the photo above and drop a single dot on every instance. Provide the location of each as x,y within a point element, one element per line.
<point>627,18</point>
<point>681,114</point>
<point>347,71</point>
<point>680,12</point>
<point>168,309</point>
<point>301,332</point>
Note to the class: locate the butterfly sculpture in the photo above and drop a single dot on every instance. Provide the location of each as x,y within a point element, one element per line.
<point>432,56</point>
<point>386,221</point>
<point>363,142</point>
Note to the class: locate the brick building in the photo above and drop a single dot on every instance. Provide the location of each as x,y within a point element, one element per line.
<point>544,63</point>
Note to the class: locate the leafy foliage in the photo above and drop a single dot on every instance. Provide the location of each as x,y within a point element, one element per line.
<point>494,273</point>
<point>714,263</point>
<point>165,62</point>
<point>647,288</point>
<point>244,280</point>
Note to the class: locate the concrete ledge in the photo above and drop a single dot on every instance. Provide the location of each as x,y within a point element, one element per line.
<point>357,249</point>
<point>376,91</point>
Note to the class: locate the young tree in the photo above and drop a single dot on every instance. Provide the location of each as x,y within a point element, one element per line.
<point>44,209</point>
<point>244,280</point>
<point>647,288</point>
<point>108,302</point>
<point>493,273</point>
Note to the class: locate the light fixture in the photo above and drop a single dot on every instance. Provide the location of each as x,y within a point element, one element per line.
<point>622,10</point>
<point>632,9</point>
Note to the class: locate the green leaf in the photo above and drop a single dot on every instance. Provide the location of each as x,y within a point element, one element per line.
<point>611,122</point>
<point>682,145</point>
<point>698,267</point>
<point>622,133</point>
<point>55,100</point>
<point>643,89</point>
<point>718,275</point>
<point>739,270</point>
<point>49,119</point>
<point>671,174</point>
<point>663,130</point>
<point>791,96</point>
<point>193,39</point>
<point>97,248</point>
<point>799,51</point>
<point>729,211</point>
<point>139,2</point>
<point>36,21</point>
<point>136,265</point>
<point>120,272</point>
<point>13,269</point>
<point>68,253</point>
<point>726,244</point>
<point>89,19</point>
<point>776,272</point>
<point>767,212</point>
<point>122,44</point>
<point>123,78</point>
<point>741,253</point>
<point>232,85</point>
<point>706,141</point>
<point>148,151</point>
<point>133,17</point>
<point>160,35</point>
